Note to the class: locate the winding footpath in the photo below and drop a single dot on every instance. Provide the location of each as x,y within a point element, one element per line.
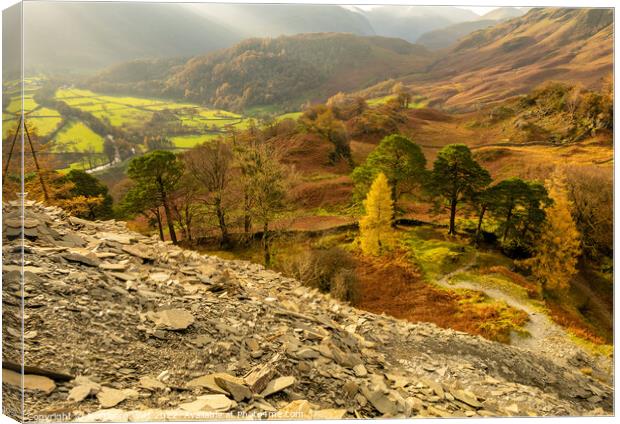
<point>543,335</point>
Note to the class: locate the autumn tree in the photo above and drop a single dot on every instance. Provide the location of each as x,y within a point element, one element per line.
<point>158,142</point>
<point>558,246</point>
<point>109,148</point>
<point>210,164</point>
<point>403,95</point>
<point>159,170</point>
<point>399,159</point>
<point>268,181</point>
<point>345,106</point>
<point>591,191</point>
<point>321,120</point>
<point>456,176</point>
<point>89,187</point>
<point>376,233</point>
<point>186,204</point>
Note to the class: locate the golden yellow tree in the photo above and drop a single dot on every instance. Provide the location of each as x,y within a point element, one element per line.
<point>558,247</point>
<point>376,233</point>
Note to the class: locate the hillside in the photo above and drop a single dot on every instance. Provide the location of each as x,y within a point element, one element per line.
<point>510,58</point>
<point>446,37</point>
<point>285,71</point>
<point>503,13</point>
<point>274,346</point>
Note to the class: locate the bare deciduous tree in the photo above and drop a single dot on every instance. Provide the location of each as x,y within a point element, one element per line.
<point>211,165</point>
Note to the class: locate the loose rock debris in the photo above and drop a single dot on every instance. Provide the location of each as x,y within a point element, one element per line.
<point>148,331</point>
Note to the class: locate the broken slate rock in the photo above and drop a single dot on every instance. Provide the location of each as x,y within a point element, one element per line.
<point>466,397</point>
<point>124,276</point>
<point>172,319</point>
<point>151,383</point>
<point>88,259</point>
<point>79,393</point>
<point>234,386</point>
<point>277,385</point>
<point>207,382</point>
<point>116,237</point>
<point>299,409</point>
<point>84,388</point>
<point>140,251</point>
<point>260,376</point>
<point>112,267</point>
<point>219,403</point>
<point>109,397</point>
<point>360,370</point>
<point>31,381</point>
<point>381,401</point>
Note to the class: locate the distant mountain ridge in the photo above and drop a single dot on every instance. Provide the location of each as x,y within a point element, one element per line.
<point>447,36</point>
<point>409,22</point>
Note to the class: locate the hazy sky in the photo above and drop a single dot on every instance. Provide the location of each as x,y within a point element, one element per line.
<point>479,10</point>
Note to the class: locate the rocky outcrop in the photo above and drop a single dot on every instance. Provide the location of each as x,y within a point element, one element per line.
<point>118,326</point>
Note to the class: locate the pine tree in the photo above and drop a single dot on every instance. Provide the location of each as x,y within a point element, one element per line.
<point>558,246</point>
<point>376,233</point>
<point>457,176</point>
<point>400,159</point>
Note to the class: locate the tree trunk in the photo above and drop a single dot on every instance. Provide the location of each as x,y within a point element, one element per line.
<point>159,226</point>
<point>247,217</point>
<point>480,218</point>
<point>265,240</point>
<point>395,202</point>
<point>453,203</point>
<point>173,235</point>
<point>188,222</point>
<point>507,225</point>
<point>221,218</point>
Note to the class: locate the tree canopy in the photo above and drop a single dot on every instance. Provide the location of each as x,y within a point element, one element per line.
<point>558,245</point>
<point>159,171</point>
<point>376,233</point>
<point>399,159</point>
<point>456,176</point>
<point>84,184</point>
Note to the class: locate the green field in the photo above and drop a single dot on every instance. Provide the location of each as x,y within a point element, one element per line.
<point>291,115</point>
<point>16,104</point>
<point>136,111</point>
<point>78,137</point>
<point>416,102</point>
<point>189,141</point>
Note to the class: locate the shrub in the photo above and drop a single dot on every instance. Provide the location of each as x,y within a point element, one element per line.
<point>344,286</point>
<point>328,270</point>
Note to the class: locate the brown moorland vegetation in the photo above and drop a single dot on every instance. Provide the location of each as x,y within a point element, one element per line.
<point>508,59</point>
<point>394,287</point>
